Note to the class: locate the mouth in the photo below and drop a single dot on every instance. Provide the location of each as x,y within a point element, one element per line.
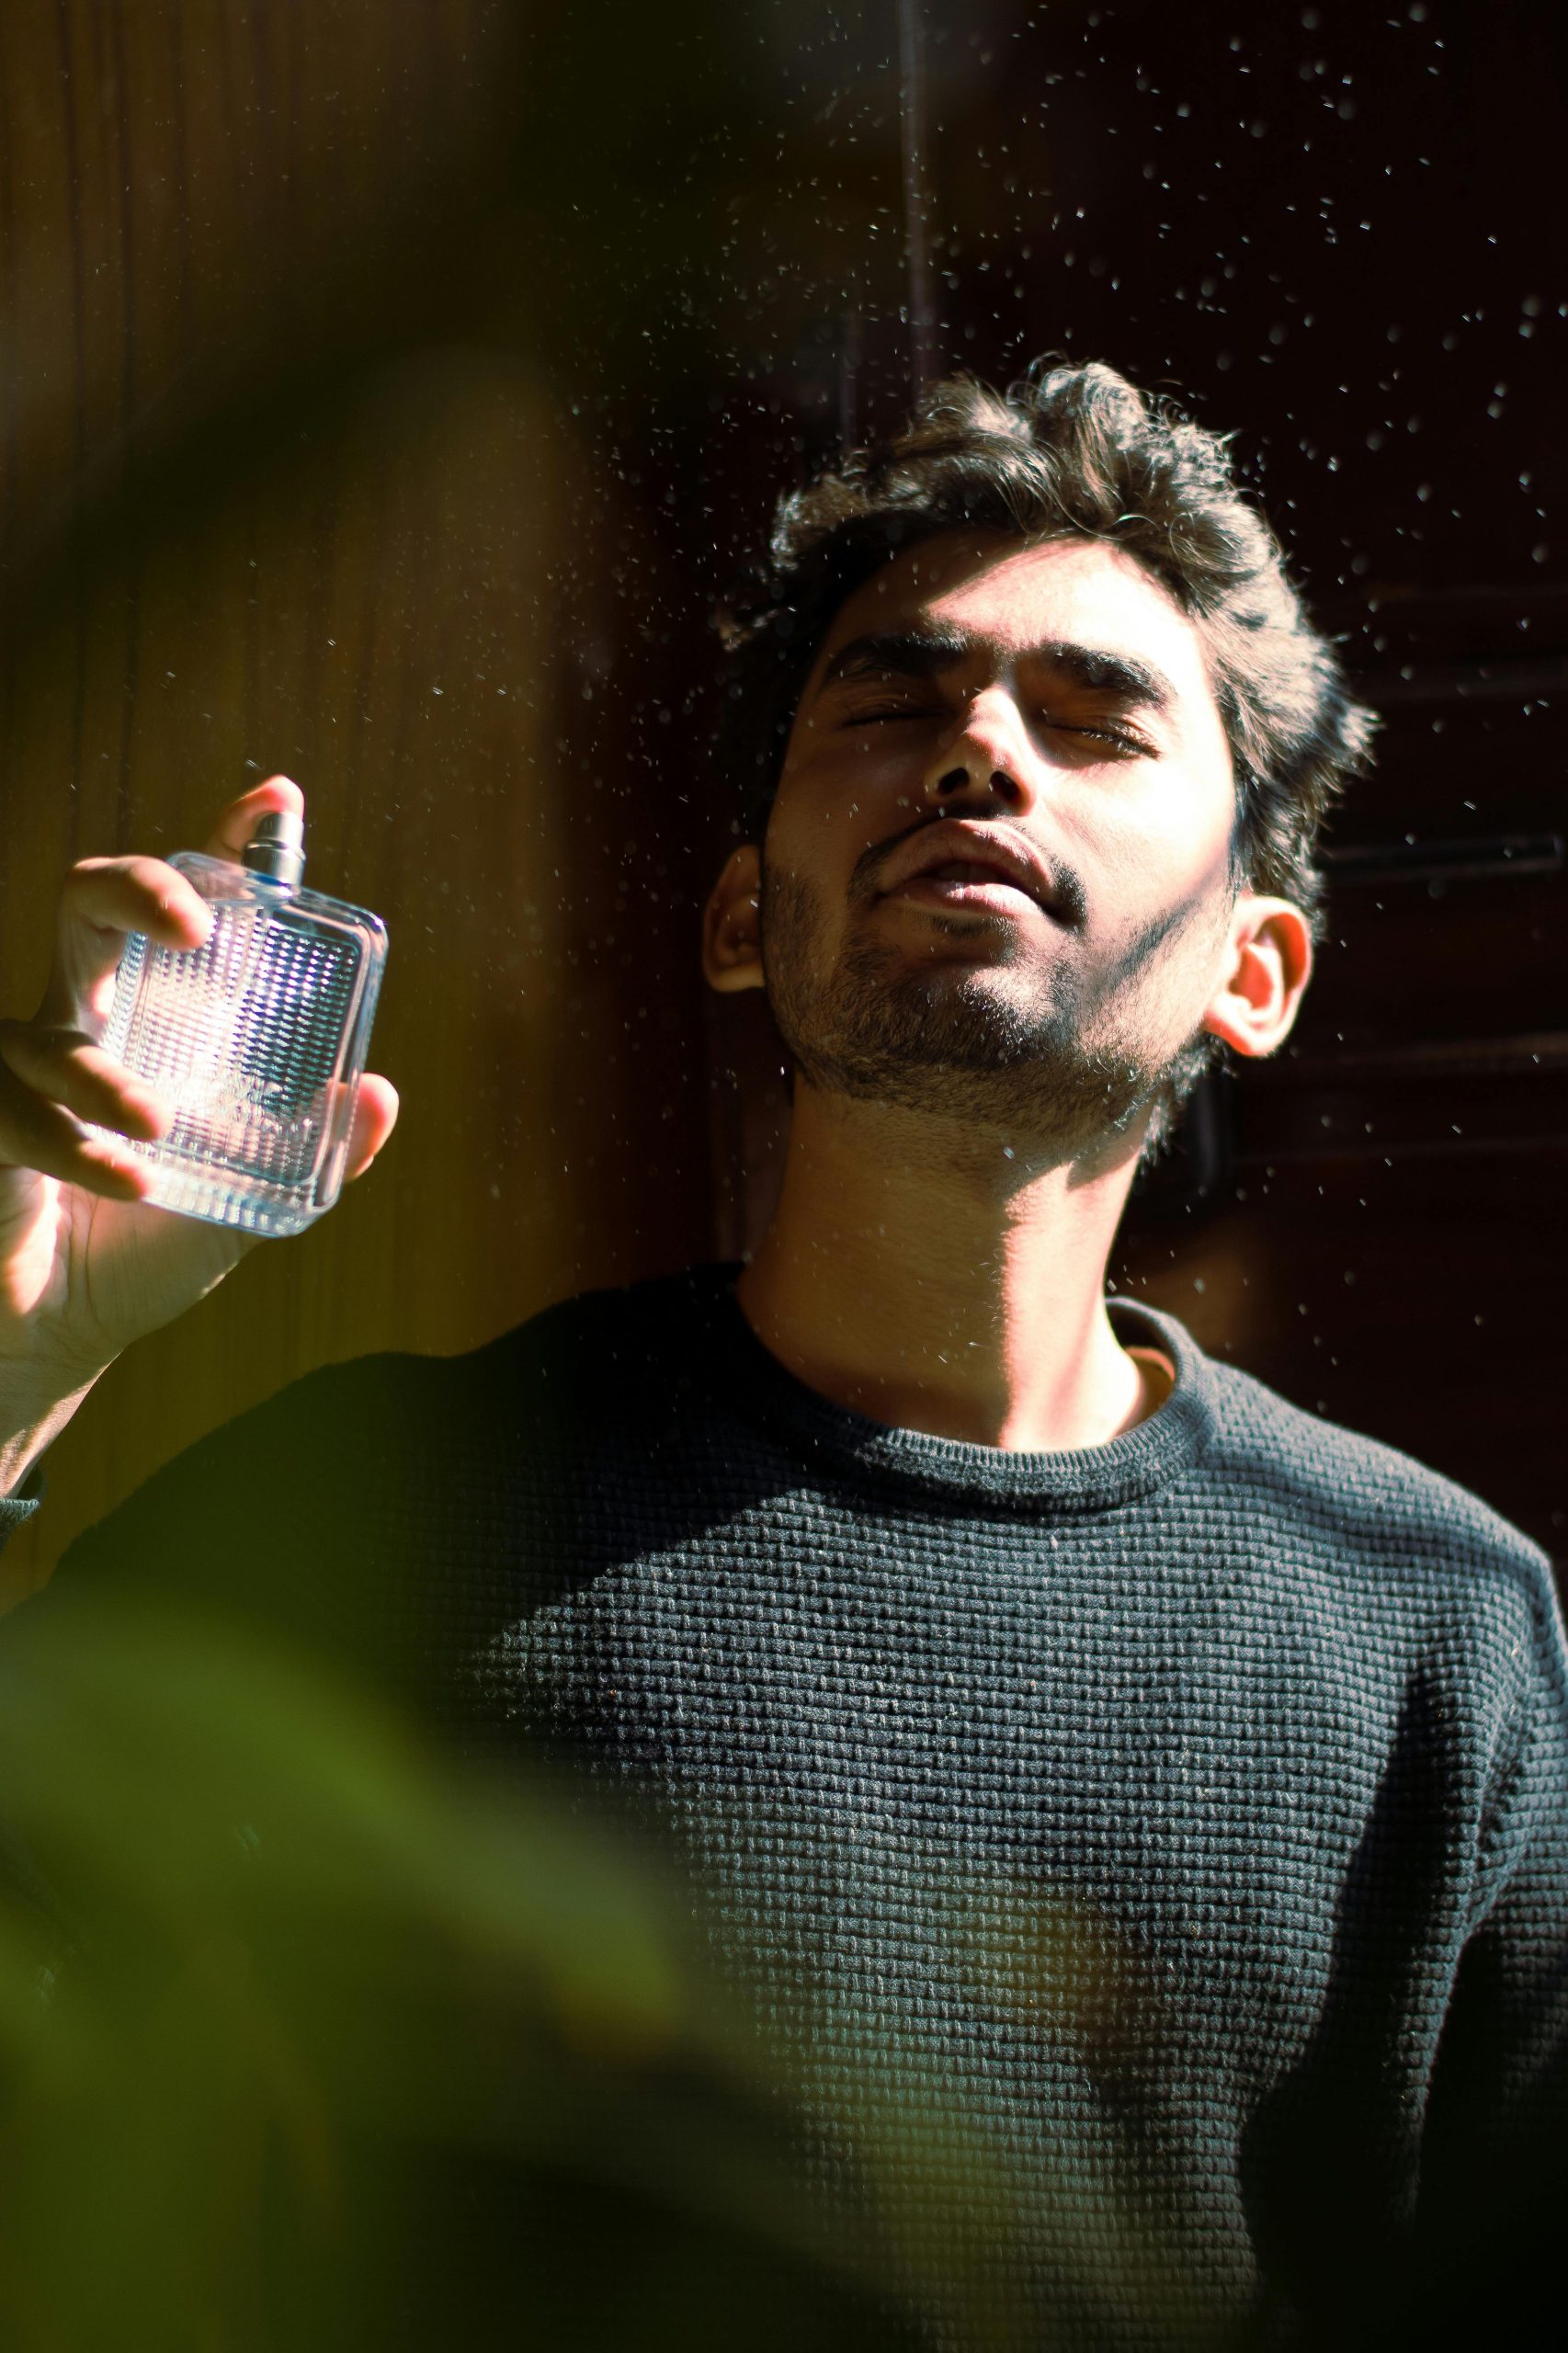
<point>980,890</point>
<point>960,867</point>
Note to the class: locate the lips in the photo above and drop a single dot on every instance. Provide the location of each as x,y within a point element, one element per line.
<point>967,856</point>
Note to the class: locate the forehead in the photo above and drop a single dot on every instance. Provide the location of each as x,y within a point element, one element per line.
<point>1018,597</point>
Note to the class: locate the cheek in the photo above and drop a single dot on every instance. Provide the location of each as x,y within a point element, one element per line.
<point>1173,837</point>
<point>800,862</point>
<point>783,851</point>
<point>826,814</point>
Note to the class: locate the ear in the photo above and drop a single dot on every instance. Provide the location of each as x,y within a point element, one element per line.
<point>1268,964</point>
<point>732,924</point>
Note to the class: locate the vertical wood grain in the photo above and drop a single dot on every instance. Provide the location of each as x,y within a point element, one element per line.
<point>387,600</point>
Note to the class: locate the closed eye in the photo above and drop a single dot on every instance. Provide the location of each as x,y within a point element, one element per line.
<point>875,713</point>
<point>1102,734</point>
<point>890,711</point>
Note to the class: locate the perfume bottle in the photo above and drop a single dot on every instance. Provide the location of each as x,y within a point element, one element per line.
<point>257,1040</point>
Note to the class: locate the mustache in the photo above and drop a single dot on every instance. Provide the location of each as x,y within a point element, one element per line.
<point>1072,897</point>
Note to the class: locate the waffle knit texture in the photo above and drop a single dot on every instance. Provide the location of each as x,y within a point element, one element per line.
<point>1176,1828</point>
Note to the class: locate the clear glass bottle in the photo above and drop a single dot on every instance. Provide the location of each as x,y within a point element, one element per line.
<point>257,1040</point>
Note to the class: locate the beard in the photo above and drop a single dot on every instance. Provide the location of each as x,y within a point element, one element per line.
<point>1063,1063</point>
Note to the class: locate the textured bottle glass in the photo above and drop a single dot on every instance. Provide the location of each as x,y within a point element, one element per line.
<point>257,1040</point>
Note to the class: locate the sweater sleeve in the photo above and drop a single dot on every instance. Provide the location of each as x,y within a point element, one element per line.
<point>14,1513</point>
<point>1492,2180</point>
<point>17,1509</point>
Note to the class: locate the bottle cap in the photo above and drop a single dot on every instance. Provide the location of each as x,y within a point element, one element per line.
<point>275,849</point>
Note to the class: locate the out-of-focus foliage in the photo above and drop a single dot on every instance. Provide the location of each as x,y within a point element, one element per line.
<point>307,2040</point>
<point>313,2037</point>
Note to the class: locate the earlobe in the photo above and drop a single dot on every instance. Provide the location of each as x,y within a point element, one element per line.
<point>732,924</point>
<point>1269,966</point>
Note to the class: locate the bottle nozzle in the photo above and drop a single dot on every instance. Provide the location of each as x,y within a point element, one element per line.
<point>277,848</point>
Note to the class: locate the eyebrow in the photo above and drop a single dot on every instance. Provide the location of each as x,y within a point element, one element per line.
<point>924,652</point>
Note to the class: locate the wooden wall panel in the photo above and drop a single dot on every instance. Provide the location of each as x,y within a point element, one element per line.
<point>354,350</point>
<point>194,194</point>
<point>401,594</point>
<point>379,623</point>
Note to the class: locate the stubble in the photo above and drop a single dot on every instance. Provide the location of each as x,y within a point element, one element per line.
<point>1064,1060</point>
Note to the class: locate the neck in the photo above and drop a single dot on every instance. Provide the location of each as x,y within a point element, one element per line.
<point>923,1275</point>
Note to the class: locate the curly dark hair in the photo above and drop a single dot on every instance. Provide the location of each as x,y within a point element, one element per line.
<point>1069,450</point>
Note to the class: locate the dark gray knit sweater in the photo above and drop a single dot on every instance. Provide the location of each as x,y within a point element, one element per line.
<point>1180,1825</point>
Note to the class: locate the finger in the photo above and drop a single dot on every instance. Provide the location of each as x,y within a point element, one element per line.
<point>67,1067</point>
<point>103,900</point>
<point>115,895</point>
<point>375,1116</point>
<point>40,1135</point>
<point>239,820</point>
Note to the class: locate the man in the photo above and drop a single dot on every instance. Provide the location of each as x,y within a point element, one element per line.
<point>1154,1792</point>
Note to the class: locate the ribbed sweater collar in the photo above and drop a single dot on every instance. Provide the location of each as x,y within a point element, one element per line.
<point>752,1382</point>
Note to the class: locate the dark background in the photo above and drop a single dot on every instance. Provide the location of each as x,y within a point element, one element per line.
<point>388,392</point>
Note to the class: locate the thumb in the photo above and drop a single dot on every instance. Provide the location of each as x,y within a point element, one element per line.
<point>238,821</point>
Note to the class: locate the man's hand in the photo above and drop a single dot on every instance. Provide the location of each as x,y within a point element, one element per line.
<point>85,1265</point>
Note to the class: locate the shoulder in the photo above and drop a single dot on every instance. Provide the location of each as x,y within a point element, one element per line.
<point>595,1358</point>
<point>1376,1517</point>
<point>615,1358</point>
<point>627,1323</point>
<point>1359,1486</point>
<point>340,1506</point>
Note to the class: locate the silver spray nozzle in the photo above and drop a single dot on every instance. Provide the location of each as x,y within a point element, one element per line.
<point>277,848</point>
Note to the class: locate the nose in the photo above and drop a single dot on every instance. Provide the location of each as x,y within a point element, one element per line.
<point>983,758</point>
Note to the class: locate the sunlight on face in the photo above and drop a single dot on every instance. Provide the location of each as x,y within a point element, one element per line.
<point>1050,700</point>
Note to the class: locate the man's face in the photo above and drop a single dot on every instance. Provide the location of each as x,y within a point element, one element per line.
<point>1046,706</point>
